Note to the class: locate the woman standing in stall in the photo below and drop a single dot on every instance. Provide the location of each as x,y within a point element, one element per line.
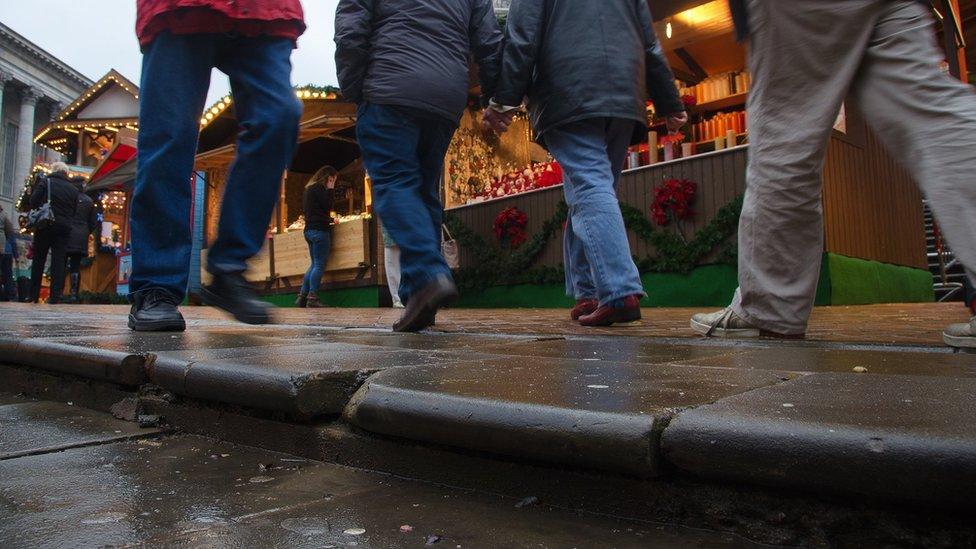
<point>318,232</point>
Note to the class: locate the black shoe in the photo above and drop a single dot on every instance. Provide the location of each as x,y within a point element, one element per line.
<point>422,307</point>
<point>233,294</point>
<point>156,311</point>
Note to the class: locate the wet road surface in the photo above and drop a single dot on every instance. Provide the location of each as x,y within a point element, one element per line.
<point>71,477</point>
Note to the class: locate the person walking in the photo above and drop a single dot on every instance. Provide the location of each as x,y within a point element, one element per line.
<point>53,238</point>
<point>588,69</point>
<point>405,62</point>
<point>83,225</point>
<point>318,232</point>
<point>805,56</point>
<point>8,254</point>
<point>182,42</point>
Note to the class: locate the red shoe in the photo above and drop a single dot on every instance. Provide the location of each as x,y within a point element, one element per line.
<point>583,307</point>
<point>606,315</point>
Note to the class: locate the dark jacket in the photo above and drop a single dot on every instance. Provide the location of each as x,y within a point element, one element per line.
<point>83,224</point>
<point>318,207</point>
<point>414,53</point>
<point>64,196</point>
<point>579,59</point>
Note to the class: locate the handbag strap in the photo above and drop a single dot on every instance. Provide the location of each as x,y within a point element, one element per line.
<point>447,232</point>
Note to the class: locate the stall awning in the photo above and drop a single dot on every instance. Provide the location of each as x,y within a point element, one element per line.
<point>118,167</point>
<point>114,179</point>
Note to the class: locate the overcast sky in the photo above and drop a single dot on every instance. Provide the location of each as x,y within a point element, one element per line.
<point>94,37</point>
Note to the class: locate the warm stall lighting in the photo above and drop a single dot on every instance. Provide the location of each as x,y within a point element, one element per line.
<point>668,31</point>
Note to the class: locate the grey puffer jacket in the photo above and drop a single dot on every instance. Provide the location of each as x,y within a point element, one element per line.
<point>579,59</point>
<point>414,53</point>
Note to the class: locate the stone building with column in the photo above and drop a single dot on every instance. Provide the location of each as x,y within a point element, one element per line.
<point>34,87</point>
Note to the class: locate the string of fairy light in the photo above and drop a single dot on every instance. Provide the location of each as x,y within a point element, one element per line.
<point>305,93</point>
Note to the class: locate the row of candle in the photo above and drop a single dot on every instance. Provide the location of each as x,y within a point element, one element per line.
<point>719,125</point>
<point>718,86</point>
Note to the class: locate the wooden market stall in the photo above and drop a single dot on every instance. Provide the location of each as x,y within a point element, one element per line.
<point>872,209</point>
<point>97,132</point>
<point>326,137</point>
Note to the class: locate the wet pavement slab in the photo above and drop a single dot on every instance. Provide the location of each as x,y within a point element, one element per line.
<point>584,413</point>
<point>850,361</point>
<point>185,491</point>
<point>883,436</point>
<point>38,427</point>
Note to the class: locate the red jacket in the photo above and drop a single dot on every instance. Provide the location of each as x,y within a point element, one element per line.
<point>282,18</point>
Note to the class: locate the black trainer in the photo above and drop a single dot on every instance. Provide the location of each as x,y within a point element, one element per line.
<point>156,311</point>
<point>421,310</point>
<point>233,294</point>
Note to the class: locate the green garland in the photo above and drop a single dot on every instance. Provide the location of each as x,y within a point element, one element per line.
<point>494,266</point>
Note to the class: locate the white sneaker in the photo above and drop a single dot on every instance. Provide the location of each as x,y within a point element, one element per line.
<point>962,335</point>
<point>724,323</point>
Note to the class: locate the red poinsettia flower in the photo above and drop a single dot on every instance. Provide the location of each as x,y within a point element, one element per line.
<point>673,200</point>
<point>509,227</point>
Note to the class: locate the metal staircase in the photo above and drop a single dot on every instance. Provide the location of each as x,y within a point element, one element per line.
<point>946,270</point>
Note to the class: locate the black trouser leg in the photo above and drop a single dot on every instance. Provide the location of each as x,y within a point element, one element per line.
<point>59,264</point>
<point>42,243</point>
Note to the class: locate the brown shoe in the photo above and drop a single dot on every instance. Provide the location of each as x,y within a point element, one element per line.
<point>605,315</point>
<point>583,307</point>
<point>313,302</point>
<point>301,301</point>
<point>422,307</point>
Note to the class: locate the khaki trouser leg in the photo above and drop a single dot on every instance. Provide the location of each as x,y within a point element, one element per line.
<point>926,118</point>
<point>803,56</point>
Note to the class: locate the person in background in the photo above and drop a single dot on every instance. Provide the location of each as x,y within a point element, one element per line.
<point>405,63</point>
<point>553,52</point>
<point>8,254</point>
<point>805,57</point>
<point>54,238</point>
<point>182,42</point>
<point>318,232</point>
<point>391,263</point>
<point>83,225</point>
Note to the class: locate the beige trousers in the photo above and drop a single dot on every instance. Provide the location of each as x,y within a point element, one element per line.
<point>805,57</point>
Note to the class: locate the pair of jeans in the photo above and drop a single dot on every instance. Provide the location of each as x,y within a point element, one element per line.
<point>403,151</point>
<point>54,240</point>
<point>596,251</point>
<point>8,286</point>
<point>175,79</point>
<point>319,243</point>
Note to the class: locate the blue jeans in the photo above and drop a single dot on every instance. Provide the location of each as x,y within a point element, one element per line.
<point>403,150</point>
<point>319,243</point>
<point>596,252</point>
<point>175,79</point>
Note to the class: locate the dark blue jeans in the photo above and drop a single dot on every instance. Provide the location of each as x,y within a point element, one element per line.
<point>319,243</point>
<point>175,79</point>
<point>403,150</point>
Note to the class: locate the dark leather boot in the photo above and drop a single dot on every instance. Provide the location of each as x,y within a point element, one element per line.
<point>313,302</point>
<point>422,307</point>
<point>156,311</point>
<point>230,292</point>
<point>301,301</point>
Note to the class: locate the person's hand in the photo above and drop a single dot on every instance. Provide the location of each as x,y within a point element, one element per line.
<point>676,121</point>
<point>496,121</point>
